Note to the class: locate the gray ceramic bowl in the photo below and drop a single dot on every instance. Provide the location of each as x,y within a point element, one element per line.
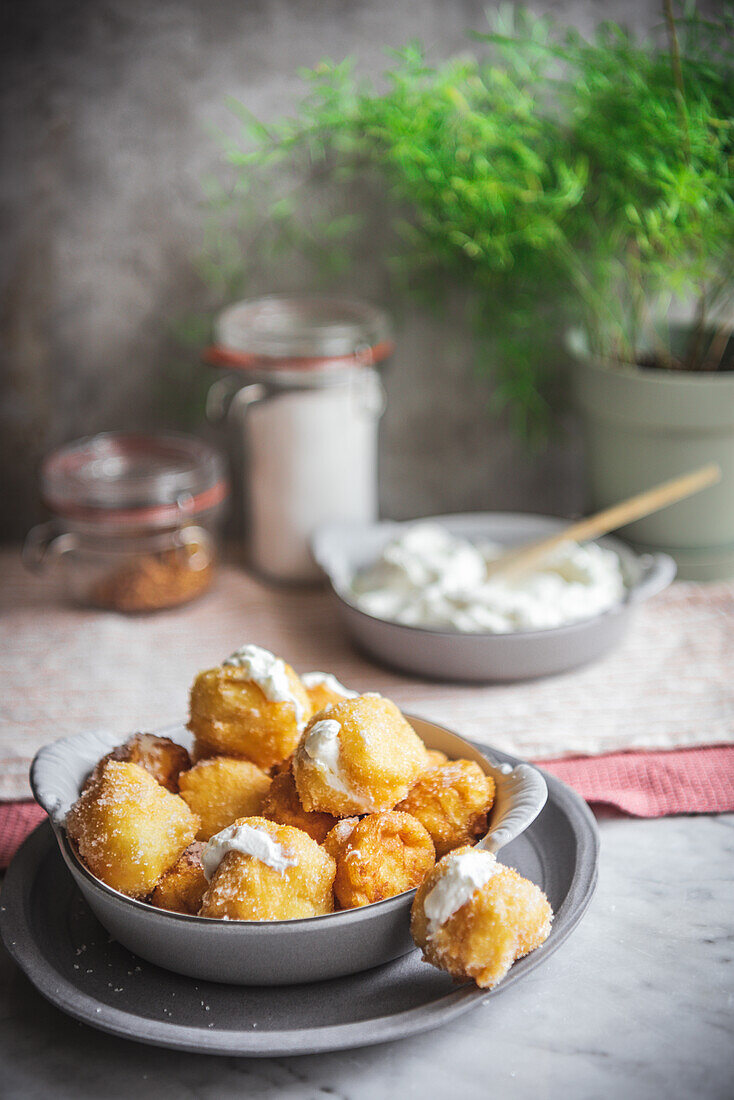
<point>263,952</point>
<point>344,549</point>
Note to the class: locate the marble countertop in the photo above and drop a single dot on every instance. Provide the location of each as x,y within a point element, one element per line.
<point>639,1003</point>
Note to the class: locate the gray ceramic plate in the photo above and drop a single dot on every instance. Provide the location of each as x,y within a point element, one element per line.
<point>343,549</point>
<point>52,934</point>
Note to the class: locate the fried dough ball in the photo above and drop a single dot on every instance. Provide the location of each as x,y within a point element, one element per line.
<point>358,756</point>
<point>336,839</point>
<point>473,917</point>
<point>264,871</point>
<point>378,857</point>
<point>283,805</point>
<point>129,829</point>
<point>221,789</point>
<point>181,888</point>
<point>163,758</point>
<point>452,801</point>
<point>323,689</point>
<point>436,757</point>
<point>253,706</point>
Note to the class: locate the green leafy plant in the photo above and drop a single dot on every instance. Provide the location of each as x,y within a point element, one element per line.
<point>559,180</point>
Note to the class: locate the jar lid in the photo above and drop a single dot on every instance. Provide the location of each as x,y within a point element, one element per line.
<point>121,478</point>
<point>301,331</point>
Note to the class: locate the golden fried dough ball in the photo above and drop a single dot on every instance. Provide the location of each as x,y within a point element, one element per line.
<point>323,689</point>
<point>181,888</point>
<point>378,857</point>
<point>283,805</point>
<point>452,801</point>
<point>473,917</point>
<point>129,829</point>
<point>253,706</point>
<point>436,757</point>
<point>221,789</point>
<point>260,870</point>
<point>163,758</point>
<point>336,839</point>
<point>355,757</point>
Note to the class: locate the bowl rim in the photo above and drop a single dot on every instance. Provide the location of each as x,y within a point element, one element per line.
<point>609,541</point>
<point>79,869</point>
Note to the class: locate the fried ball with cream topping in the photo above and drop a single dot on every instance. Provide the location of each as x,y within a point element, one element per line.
<point>253,706</point>
<point>259,870</point>
<point>378,857</point>
<point>128,829</point>
<point>181,888</point>
<point>473,917</point>
<point>221,789</point>
<point>452,801</point>
<point>283,805</point>
<point>355,757</point>
<point>163,758</point>
<point>324,689</point>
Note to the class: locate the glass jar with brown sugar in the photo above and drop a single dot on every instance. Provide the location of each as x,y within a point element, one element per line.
<point>135,519</point>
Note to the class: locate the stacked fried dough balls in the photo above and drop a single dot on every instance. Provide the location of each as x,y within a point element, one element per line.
<point>473,917</point>
<point>220,789</point>
<point>259,870</point>
<point>129,829</point>
<point>162,757</point>
<point>357,756</point>
<point>451,800</point>
<point>305,797</point>
<point>252,706</point>
<point>378,856</point>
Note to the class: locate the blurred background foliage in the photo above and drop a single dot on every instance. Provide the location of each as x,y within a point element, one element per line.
<point>558,179</point>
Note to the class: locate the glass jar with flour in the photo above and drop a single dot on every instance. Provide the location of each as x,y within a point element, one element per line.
<point>303,398</point>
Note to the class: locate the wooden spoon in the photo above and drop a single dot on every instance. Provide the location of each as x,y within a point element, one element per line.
<point>522,559</point>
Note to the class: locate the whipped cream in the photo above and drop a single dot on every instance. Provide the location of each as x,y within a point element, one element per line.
<point>466,873</point>
<point>250,841</point>
<point>269,673</point>
<point>325,679</point>
<point>321,745</point>
<point>429,578</point>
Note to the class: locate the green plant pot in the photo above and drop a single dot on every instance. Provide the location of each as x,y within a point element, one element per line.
<point>643,426</point>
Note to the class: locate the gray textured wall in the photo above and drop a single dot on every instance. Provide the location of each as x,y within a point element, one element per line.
<point>106,115</point>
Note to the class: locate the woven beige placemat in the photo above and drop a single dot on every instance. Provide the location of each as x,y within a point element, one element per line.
<point>64,670</point>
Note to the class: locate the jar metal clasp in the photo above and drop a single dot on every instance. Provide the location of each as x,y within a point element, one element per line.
<point>44,544</point>
<point>228,396</point>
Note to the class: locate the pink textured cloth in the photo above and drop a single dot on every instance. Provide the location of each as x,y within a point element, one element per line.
<point>654,784</point>
<point>17,820</point>
<point>643,784</point>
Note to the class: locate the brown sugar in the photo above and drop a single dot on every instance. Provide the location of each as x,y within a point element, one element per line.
<point>151,582</point>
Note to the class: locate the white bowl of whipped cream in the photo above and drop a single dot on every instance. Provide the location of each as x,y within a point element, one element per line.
<point>416,595</point>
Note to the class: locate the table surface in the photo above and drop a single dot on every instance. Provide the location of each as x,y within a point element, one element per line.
<point>638,1003</point>
<point>66,669</point>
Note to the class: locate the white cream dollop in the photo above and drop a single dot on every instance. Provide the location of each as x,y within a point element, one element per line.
<point>250,841</point>
<point>321,745</point>
<point>466,873</point>
<point>269,673</point>
<point>429,578</point>
<point>325,679</point>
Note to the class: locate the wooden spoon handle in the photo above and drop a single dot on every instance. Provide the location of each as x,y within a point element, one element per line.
<point>609,519</point>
